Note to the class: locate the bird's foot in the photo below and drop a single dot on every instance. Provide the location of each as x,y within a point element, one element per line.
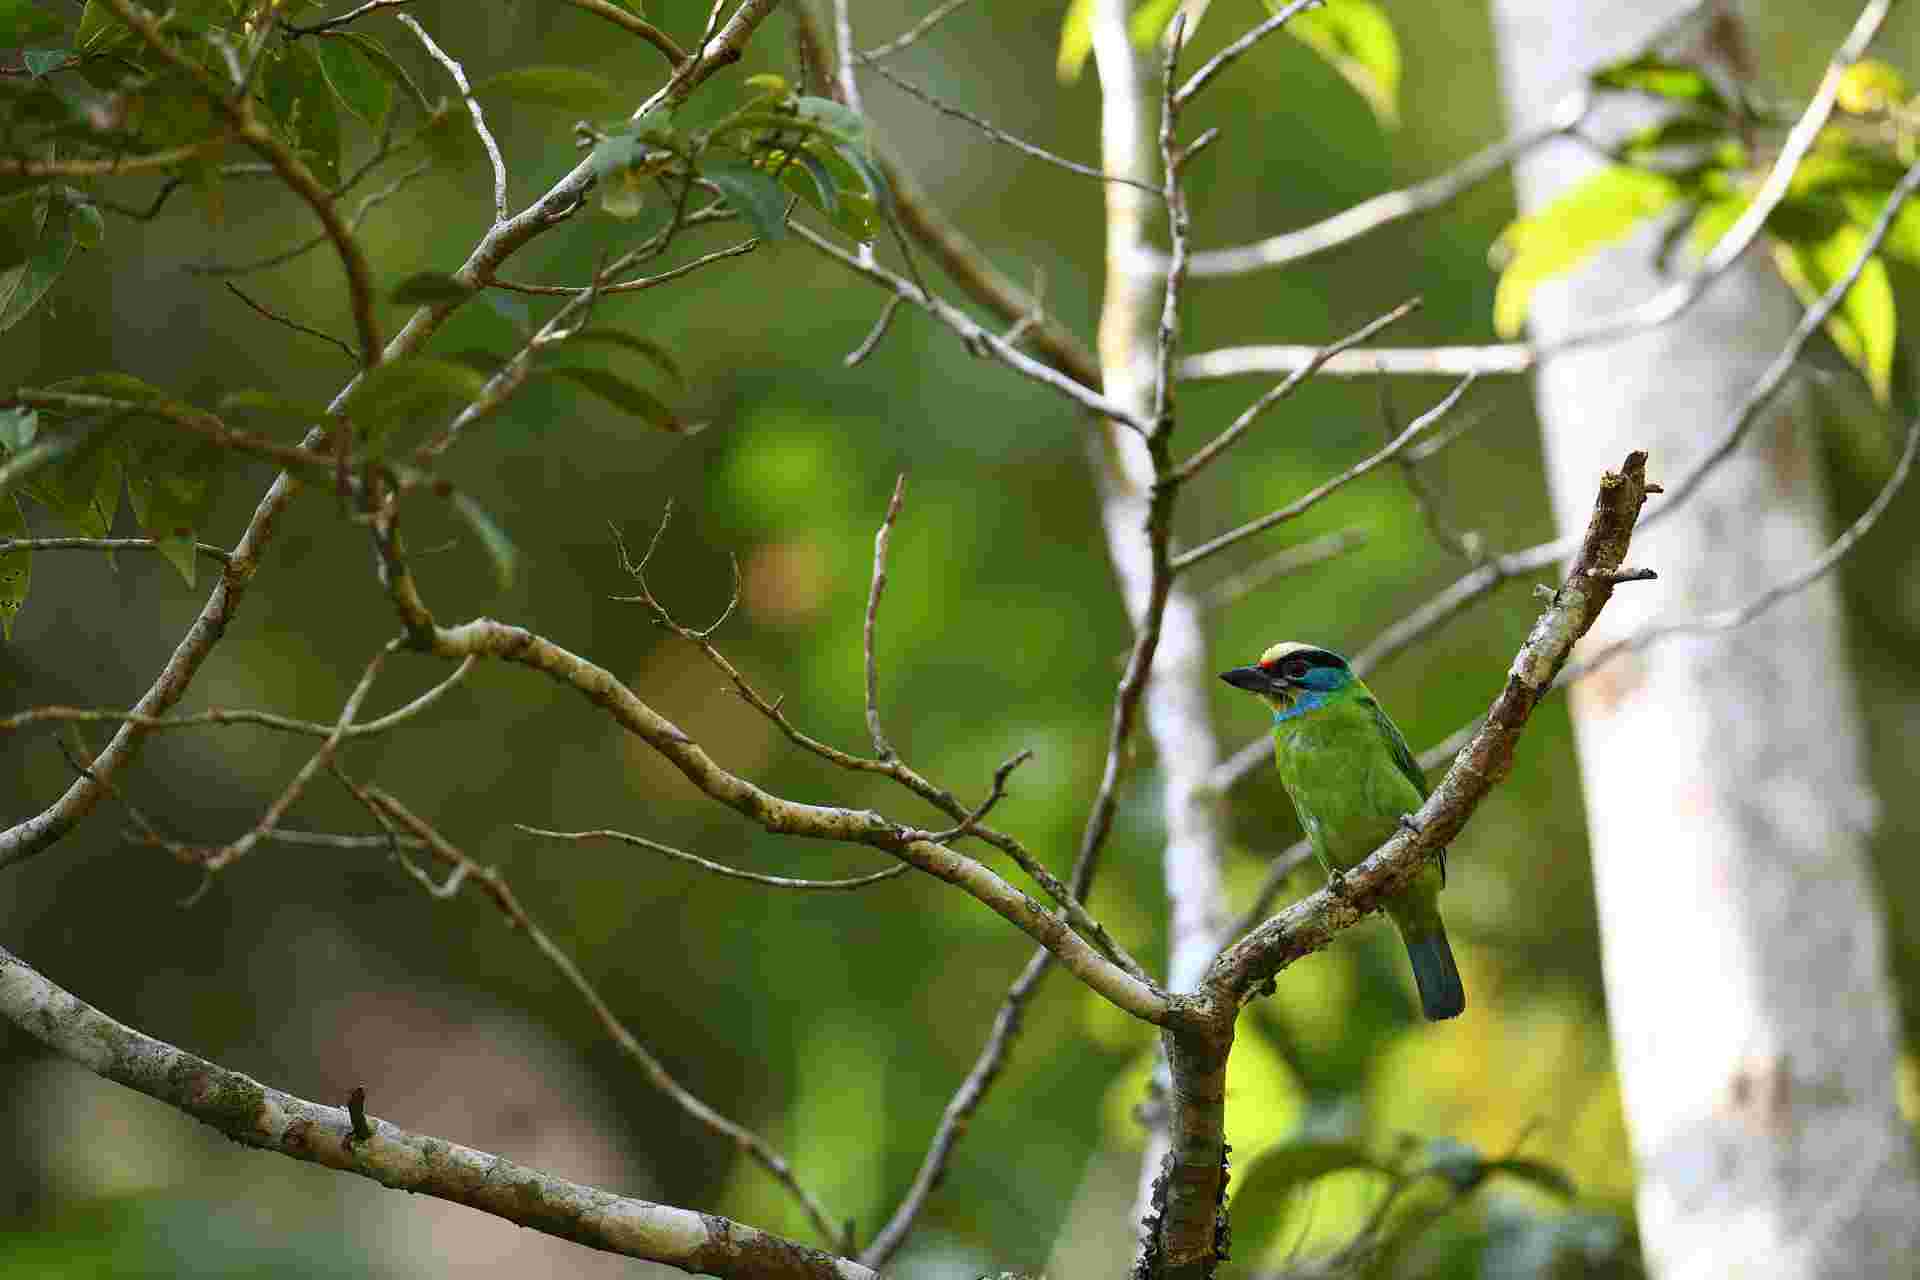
<point>1337,883</point>
<point>1407,823</point>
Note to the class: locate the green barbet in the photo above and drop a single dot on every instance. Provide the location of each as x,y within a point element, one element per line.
<point>1354,783</point>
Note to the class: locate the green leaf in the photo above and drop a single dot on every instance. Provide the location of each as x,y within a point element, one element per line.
<point>661,358</point>
<point>408,390</point>
<point>99,28</point>
<point>424,288</point>
<point>1076,41</point>
<point>617,391</point>
<point>40,61</point>
<point>449,137</point>
<point>755,196</point>
<point>1460,1163</point>
<point>504,556</point>
<point>22,214</point>
<point>1865,324</point>
<point>810,179</point>
<point>1650,73</point>
<point>1356,39</point>
<point>16,570</point>
<point>1271,1180</point>
<point>23,22</point>
<point>838,121</point>
<point>1151,20</point>
<point>83,488</point>
<point>1903,237</point>
<point>562,88</point>
<point>22,286</point>
<point>376,56</point>
<point>89,227</point>
<point>18,426</point>
<point>296,92</point>
<point>363,85</point>
<point>1595,212</point>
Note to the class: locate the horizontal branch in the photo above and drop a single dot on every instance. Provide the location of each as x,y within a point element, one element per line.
<point>260,1116</point>
<point>1501,358</point>
<point>13,546</point>
<point>719,868</point>
<point>487,638</point>
<point>1311,923</point>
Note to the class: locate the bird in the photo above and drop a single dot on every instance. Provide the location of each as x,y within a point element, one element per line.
<point>1354,783</point>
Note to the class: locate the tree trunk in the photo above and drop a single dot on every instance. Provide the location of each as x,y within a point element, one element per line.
<point>1752,1017</point>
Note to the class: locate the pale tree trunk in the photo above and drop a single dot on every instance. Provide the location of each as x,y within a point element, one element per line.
<point>1753,1023</point>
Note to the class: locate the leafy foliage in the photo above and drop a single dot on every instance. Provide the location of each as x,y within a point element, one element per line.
<point>1703,158</point>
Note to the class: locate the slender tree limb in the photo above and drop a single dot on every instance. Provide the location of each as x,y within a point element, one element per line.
<point>351,16</point>
<point>495,886</point>
<point>1312,498</point>
<point>1204,455</point>
<point>1234,51</point>
<point>980,341</point>
<point>178,413</point>
<point>721,868</point>
<point>1288,560</point>
<point>1383,210</point>
<point>11,546</point>
<point>17,166</point>
<point>639,26</point>
<point>938,14</point>
<point>260,1116</point>
<point>881,747</point>
<point>1504,358</point>
<point>290,322</point>
<point>459,75</point>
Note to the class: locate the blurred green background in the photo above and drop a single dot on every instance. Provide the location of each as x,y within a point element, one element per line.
<point>837,1025</point>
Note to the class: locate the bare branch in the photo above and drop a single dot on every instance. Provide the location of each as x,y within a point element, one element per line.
<point>10,546</point>
<point>1362,362</point>
<point>870,343</point>
<point>720,868</point>
<point>1368,216</point>
<point>459,74</point>
<point>334,24</point>
<point>1226,57</point>
<point>633,22</point>
<point>1240,425</point>
<point>260,1116</point>
<point>1289,560</point>
<point>291,323</point>
<point>1000,135</point>
<point>978,340</point>
<point>937,15</point>
<point>1309,500</point>
<point>881,747</point>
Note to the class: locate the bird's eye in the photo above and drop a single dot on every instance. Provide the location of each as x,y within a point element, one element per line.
<point>1295,670</point>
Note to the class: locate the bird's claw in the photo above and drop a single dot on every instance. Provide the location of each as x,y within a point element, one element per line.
<point>1337,883</point>
<point>1407,823</point>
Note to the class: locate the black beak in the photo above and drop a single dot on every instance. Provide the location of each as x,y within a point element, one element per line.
<point>1253,680</point>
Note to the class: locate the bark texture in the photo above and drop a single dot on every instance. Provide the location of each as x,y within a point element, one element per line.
<point>1753,1022</point>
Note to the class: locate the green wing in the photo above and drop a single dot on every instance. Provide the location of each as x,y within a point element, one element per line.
<point>1402,755</point>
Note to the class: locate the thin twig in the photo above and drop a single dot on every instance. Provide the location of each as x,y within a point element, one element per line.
<point>1222,60</point>
<point>1249,416</point>
<point>290,322</point>
<point>334,24</point>
<point>1313,497</point>
<point>847,79</point>
<point>1000,135</point>
<point>459,74</point>
<point>720,868</point>
<point>881,747</point>
<point>1494,359</point>
<point>870,343</point>
<point>10,546</point>
<point>636,285</point>
<point>913,33</point>
<point>1287,561</point>
<point>668,47</point>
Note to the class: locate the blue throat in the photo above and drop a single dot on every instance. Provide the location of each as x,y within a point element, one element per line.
<point>1307,700</point>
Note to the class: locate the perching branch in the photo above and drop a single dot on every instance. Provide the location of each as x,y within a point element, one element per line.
<point>720,868</point>
<point>260,1116</point>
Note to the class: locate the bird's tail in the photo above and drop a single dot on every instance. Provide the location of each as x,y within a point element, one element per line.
<point>1441,995</point>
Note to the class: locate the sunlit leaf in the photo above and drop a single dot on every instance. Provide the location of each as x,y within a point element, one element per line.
<point>562,88</point>
<point>1865,324</point>
<point>1076,41</point>
<point>424,288</point>
<point>809,178</point>
<point>1356,39</point>
<point>616,390</point>
<point>755,196</point>
<point>1597,211</point>
<point>1272,1180</point>
<point>1870,85</point>
<point>501,552</point>
<point>363,85</point>
<point>16,570</point>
